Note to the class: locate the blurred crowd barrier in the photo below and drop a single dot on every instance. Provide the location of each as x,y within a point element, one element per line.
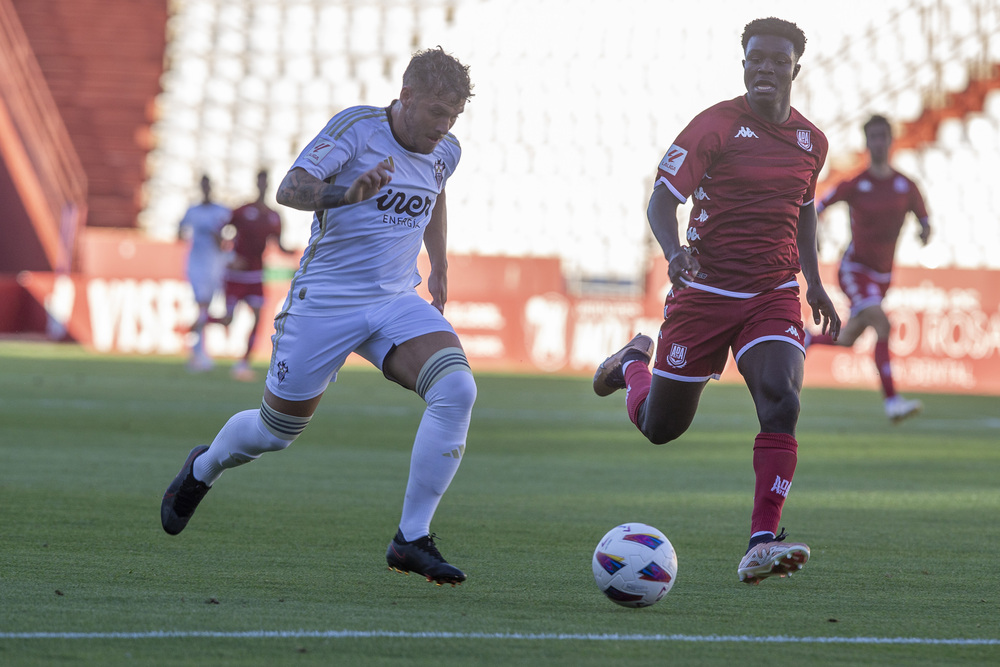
<point>517,314</point>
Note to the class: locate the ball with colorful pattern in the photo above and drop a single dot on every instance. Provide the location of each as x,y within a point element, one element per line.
<point>635,565</point>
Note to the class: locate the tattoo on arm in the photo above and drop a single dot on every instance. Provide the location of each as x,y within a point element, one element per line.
<point>304,192</point>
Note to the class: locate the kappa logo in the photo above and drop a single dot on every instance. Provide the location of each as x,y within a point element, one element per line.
<point>678,356</point>
<point>692,234</point>
<point>319,150</point>
<point>792,331</point>
<point>702,217</point>
<point>781,486</point>
<point>673,160</point>
<point>700,194</point>
<point>745,133</point>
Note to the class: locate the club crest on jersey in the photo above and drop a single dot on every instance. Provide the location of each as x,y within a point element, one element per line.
<point>439,173</point>
<point>389,161</point>
<point>804,138</point>
<point>673,160</point>
<point>678,356</point>
<point>319,150</point>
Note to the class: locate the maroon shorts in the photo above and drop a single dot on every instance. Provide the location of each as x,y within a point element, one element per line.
<point>251,293</point>
<point>700,328</point>
<point>864,287</point>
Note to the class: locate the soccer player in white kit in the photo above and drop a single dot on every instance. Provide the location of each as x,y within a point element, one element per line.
<point>202,224</point>
<point>376,179</point>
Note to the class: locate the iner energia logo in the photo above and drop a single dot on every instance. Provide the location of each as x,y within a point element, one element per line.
<point>402,205</point>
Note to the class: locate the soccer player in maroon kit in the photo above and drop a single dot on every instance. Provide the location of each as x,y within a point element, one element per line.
<point>751,164</point>
<point>255,223</point>
<point>879,199</point>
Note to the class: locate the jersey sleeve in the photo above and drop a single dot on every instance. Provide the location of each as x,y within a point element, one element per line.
<point>332,148</point>
<point>186,221</point>
<point>822,148</point>
<point>838,194</point>
<point>452,157</point>
<point>689,157</point>
<point>917,203</point>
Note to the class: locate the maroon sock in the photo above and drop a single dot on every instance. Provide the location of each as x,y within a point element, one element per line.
<point>884,368</point>
<point>774,458</point>
<point>250,342</point>
<point>637,381</point>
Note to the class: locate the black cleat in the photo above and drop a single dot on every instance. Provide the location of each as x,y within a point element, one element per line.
<point>183,495</point>
<point>421,556</point>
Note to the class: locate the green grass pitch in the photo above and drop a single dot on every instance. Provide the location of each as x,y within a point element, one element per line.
<point>284,562</point>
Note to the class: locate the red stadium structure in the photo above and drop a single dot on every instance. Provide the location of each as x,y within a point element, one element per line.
<point>79,82</point>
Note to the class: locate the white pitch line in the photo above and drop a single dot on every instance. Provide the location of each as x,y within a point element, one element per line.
<point>376,634</point>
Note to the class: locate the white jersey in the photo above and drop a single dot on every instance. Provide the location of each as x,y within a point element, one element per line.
<point>367,251</point>
<point>203,223</point>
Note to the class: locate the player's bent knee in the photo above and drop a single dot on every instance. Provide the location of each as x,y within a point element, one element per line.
<point>662,437</point>
<point>446,376</point>
<point>278,429</point>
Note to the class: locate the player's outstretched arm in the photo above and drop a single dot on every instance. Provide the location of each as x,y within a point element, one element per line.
<point>303,191</point>
<point>662,216</point>
<point>819,301</point>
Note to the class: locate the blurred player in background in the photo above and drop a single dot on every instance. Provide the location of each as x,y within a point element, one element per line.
<point>202,224</point>
<point>376,179</point>
<point>751,164</point>
<point>879,199</point>
<point>254,224</point>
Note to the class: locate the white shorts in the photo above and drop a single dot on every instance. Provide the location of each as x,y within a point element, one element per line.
<point>205,282</point>
<point>307,351</point>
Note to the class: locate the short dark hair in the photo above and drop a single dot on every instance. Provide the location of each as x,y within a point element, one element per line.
<point>435,72</point>
<point>878,119</point>
<point>778,28</point>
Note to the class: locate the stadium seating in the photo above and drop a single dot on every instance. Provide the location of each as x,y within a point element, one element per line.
<point>573,110</point>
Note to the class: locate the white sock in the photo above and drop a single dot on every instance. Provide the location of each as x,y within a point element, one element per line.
<point>437,450</point>
<point>199,345</point>
<point>244,438</point>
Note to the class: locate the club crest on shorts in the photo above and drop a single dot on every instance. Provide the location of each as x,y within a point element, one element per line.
<point>678,356</point>
<point>281,371</point>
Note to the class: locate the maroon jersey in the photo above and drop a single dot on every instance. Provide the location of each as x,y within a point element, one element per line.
<point>749,179</point>
<point>255,224</point>
<point>878,208</point>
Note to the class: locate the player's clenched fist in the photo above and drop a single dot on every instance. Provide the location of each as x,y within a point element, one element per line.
<point>369,183</point>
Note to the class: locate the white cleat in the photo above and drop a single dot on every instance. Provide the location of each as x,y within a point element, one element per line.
<point>241,371</point>
<point>772,559</point>
<point>898,408</point>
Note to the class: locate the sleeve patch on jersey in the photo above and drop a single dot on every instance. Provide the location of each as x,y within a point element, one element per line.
<point>673,160</point>
<point>319,150</point>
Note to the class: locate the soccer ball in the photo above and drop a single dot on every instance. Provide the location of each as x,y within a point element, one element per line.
<point>634,565</point>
